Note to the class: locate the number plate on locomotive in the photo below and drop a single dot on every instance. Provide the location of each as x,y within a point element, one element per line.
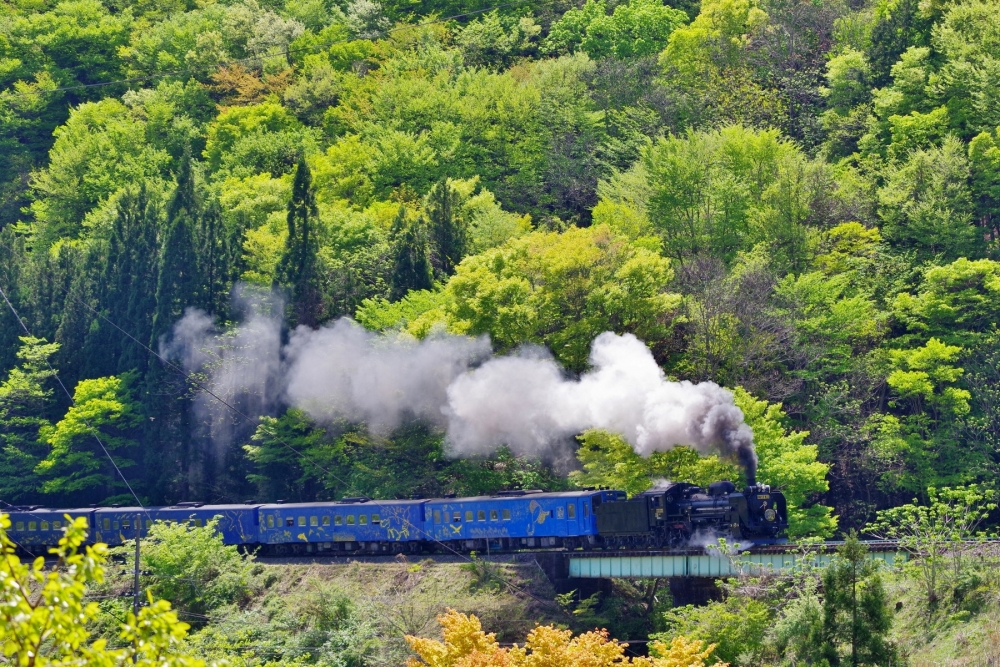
<point>763,496</point>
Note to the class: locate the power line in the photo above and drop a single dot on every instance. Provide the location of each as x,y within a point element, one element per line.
<point>72,402</point>
<point>247,418</point>
<point>257,58</point>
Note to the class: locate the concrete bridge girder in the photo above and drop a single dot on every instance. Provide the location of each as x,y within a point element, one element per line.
<point>700,565</point>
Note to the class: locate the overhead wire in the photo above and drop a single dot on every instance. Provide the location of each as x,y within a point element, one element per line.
<point>200,385</point>
<point>72,401</point>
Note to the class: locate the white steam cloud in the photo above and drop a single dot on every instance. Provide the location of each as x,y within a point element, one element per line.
<point>525,401</point>
<point>241,367</point>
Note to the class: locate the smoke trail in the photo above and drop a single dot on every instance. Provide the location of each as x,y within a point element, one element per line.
<point>242,366</point>
<point>344,371</point>
<point>526,402</point>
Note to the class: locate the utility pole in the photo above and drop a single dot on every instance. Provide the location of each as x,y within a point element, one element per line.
<point>135,582</point>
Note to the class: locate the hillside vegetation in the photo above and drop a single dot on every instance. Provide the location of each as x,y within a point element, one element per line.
<point>796,199</point>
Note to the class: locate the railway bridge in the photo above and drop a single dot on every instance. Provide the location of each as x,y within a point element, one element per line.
<point>693,572</point>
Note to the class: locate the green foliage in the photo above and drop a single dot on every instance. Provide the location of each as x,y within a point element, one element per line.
<point>736,625</point>
<point>938,533</point>
<point>190,567</point>
<point>609,461</point>
<point>25,399</point>
<point>856,617</point>
<point>50,627</point>
<point>722,192</point>
<point>636,29</point>
<point>102,408</point>
<point>562,290</point>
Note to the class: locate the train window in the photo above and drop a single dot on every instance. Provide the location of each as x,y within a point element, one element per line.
<point>338,520</point>
<point>197,523</point>
<point>456,517</point>
<point>468,515</point>
<point>149,524</point>
<point>481,516</point>
<point>350,519</point>
<point>326,519</point>
<point>493,515</point>
<point>32,525</point>
<point>586,509</point>
<point>270,521</point>
<point>56,525</point>
<point>506,515</point>
<point>126,525</point>
<point>363,519</point>
<point>115,525</point>
<point>437,516</point>
<point>45,525</point>
<point>107,524</point>
<point>571,511</point>
<point>289,521</point>
<point>314,520</point>
<point>302,521</point>
<point>19,525</point>
<point>376,518</point>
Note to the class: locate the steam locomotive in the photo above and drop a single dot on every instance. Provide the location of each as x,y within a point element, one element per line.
<point>669,516</point>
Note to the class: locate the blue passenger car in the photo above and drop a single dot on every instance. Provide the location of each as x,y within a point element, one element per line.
<point>116,525</point>
<point>37,528</point>
<point>518,519</point>
<point>360,523</point>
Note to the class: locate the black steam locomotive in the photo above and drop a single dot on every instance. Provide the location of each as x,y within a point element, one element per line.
<point>677,514</point>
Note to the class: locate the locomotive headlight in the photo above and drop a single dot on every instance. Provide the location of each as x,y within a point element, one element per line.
<point>770,515</point>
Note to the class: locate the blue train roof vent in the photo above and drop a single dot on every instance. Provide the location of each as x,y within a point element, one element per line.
<point>188,504</point>
<point>516,492</point>
<point>359,499</point>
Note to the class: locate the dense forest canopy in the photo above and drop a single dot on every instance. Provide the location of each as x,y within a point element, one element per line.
<point>798,200</point>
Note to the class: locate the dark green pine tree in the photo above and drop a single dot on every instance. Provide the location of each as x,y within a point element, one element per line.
<point>856,616</point>
<point>213,256</point>
<point>447,227</point>
<point>171,459</point>
<point>125,274</point>
<point>179,282</point>
<point>298,270</point>
<point>140,302</point>
<point>411,268</point>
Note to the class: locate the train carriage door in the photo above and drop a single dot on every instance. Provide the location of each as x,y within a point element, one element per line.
<point>572,527</point>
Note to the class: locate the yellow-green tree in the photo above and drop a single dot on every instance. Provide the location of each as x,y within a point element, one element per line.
<point>44,614</point>
<point>562,290</point>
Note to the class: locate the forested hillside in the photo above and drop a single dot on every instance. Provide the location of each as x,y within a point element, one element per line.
<point>796,199</point>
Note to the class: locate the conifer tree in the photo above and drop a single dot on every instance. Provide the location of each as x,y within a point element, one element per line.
<point>448,229</point>
<point>298,269</point>
<point>213,259</point>
<point>856,618</point>
<point>411,268</point>
<point>140,302</point>
<point>178,282</point>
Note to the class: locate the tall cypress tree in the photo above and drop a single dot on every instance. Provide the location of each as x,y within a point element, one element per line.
<point>171,462</point>
<point>448,229</point>
<point>411,268</point>
<point>179,280</point>
<point>212,245</point>
<point>298,269</point>
<point>140,302</point>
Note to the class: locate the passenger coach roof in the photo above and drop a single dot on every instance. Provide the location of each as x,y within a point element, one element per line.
<point>334,504</point>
